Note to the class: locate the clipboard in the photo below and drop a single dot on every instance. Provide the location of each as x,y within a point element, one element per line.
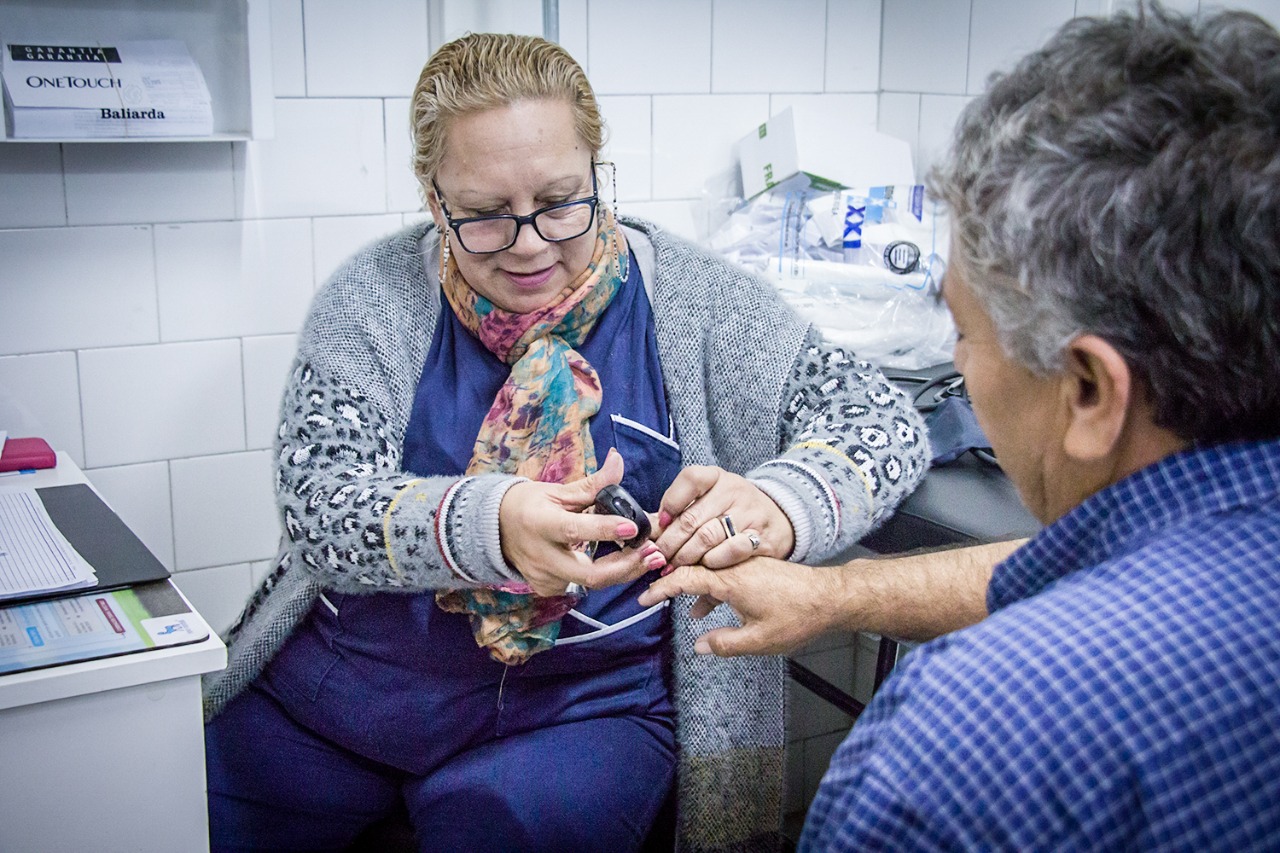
<point>100,536</point>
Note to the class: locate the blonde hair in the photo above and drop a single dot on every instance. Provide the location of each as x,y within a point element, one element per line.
<point>481,71</point>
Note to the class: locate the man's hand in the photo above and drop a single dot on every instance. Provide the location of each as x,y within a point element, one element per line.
<point>781,605</point>
<point>784,605</point>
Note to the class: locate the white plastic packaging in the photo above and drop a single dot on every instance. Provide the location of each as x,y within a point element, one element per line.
<point>864,265</point>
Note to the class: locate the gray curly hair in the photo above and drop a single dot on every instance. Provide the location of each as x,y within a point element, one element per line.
<point>1124,181</point>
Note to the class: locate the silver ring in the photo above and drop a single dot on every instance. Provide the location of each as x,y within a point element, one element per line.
<point>754,540</point>
<point>727,524</point>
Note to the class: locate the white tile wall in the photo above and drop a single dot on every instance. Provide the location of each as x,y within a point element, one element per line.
<point>223,509</point>
<point>372,48</point>
<point>259,569</point>
<point>1091,8</point>
<point>328,158</point>
<point>1001,33</point>
<point>336,238</point>
<point>403,192</point>
<point>77,287</point>
<point>482,16</point>
<point>900,116</point>
<point>675,216</point>
<point>148,182</point>
<point>660,46</point>
<point>853,46</point>
<point>31,179</point>
<point>765,46</point>
<point>694,138</point>
<point>1267,9</point>
<point>924,45</point>
<point>226,279</point>
<point>218,246</point>
<point>828,119</point>
<point>630,144</point>
<point>938,114</point>
<point>168,401</point>
<point>573,31</point>
<point>216,592</point>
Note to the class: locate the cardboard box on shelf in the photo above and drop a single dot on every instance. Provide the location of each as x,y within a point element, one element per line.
<point>125,89</point>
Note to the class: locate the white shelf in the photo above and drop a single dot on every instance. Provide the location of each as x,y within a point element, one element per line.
<point>229,39</point>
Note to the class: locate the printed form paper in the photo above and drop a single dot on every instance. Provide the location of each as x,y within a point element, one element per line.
<point>34,555</point>
<point>96,625</point>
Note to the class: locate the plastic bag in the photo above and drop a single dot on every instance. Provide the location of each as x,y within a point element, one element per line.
<point>863,265</point>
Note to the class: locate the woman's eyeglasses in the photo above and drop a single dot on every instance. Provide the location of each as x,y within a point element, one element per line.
<point>484,235</point>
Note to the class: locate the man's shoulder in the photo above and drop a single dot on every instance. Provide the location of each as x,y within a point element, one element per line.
<point>1118,648</point>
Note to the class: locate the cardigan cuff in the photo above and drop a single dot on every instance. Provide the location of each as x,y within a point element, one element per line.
<point>470,540</point>
<point>792,506</point>
<point>808,501</point>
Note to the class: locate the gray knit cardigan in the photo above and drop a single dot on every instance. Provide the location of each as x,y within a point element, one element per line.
<point>751,388</point>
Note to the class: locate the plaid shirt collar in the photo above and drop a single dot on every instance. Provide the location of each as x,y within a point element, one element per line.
<point>1193,483</point>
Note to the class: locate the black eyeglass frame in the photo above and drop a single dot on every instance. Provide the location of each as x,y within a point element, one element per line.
<point>593,201</point>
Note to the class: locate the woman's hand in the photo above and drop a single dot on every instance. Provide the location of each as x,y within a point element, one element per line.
<point>692,527</point>
<point>540,523</point>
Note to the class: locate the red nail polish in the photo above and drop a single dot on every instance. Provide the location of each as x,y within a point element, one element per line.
<point>668,570</point>
<point>626,530</point>
<point>664,518</point>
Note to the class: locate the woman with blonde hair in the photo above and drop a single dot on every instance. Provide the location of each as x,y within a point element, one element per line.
<point>452,624</point>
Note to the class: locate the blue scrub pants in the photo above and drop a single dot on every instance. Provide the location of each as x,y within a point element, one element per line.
<point>593,784</point>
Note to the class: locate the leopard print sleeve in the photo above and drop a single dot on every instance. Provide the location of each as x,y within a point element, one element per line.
<point>360,524</point>
<point>853,448</point>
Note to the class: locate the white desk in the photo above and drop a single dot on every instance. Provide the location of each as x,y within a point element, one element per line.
<point>104,755</point>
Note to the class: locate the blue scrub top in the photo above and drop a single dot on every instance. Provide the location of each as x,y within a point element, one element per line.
<point>459,382</point>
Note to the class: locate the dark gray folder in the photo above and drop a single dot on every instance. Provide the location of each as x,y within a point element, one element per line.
<point>116,553</point>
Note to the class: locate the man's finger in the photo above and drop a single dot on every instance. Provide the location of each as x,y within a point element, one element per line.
<point>719,642</point>
<point>686,580</point>
<point>732,642</point>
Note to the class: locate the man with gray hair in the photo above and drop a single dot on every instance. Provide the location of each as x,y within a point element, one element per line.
<point>1115,281</point>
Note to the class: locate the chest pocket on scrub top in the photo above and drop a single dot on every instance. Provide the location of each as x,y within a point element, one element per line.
<point>652,461</point>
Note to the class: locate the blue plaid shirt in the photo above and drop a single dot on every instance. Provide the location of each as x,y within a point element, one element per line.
<point>1123,694</point>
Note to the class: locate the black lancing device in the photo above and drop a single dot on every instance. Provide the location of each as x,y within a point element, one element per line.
<point>615,500</point>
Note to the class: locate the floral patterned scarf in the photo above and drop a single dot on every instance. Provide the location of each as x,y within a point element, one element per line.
<point>537,427</point>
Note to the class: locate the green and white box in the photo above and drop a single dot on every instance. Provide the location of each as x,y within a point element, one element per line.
<point>789,144</point>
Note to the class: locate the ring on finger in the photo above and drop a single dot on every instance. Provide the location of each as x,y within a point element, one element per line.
<point>726,523</point>
<point>754,540</point>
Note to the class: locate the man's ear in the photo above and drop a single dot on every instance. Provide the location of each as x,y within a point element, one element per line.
<point>1098,391</point>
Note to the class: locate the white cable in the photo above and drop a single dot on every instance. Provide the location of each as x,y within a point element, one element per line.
<point>606,630</point>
